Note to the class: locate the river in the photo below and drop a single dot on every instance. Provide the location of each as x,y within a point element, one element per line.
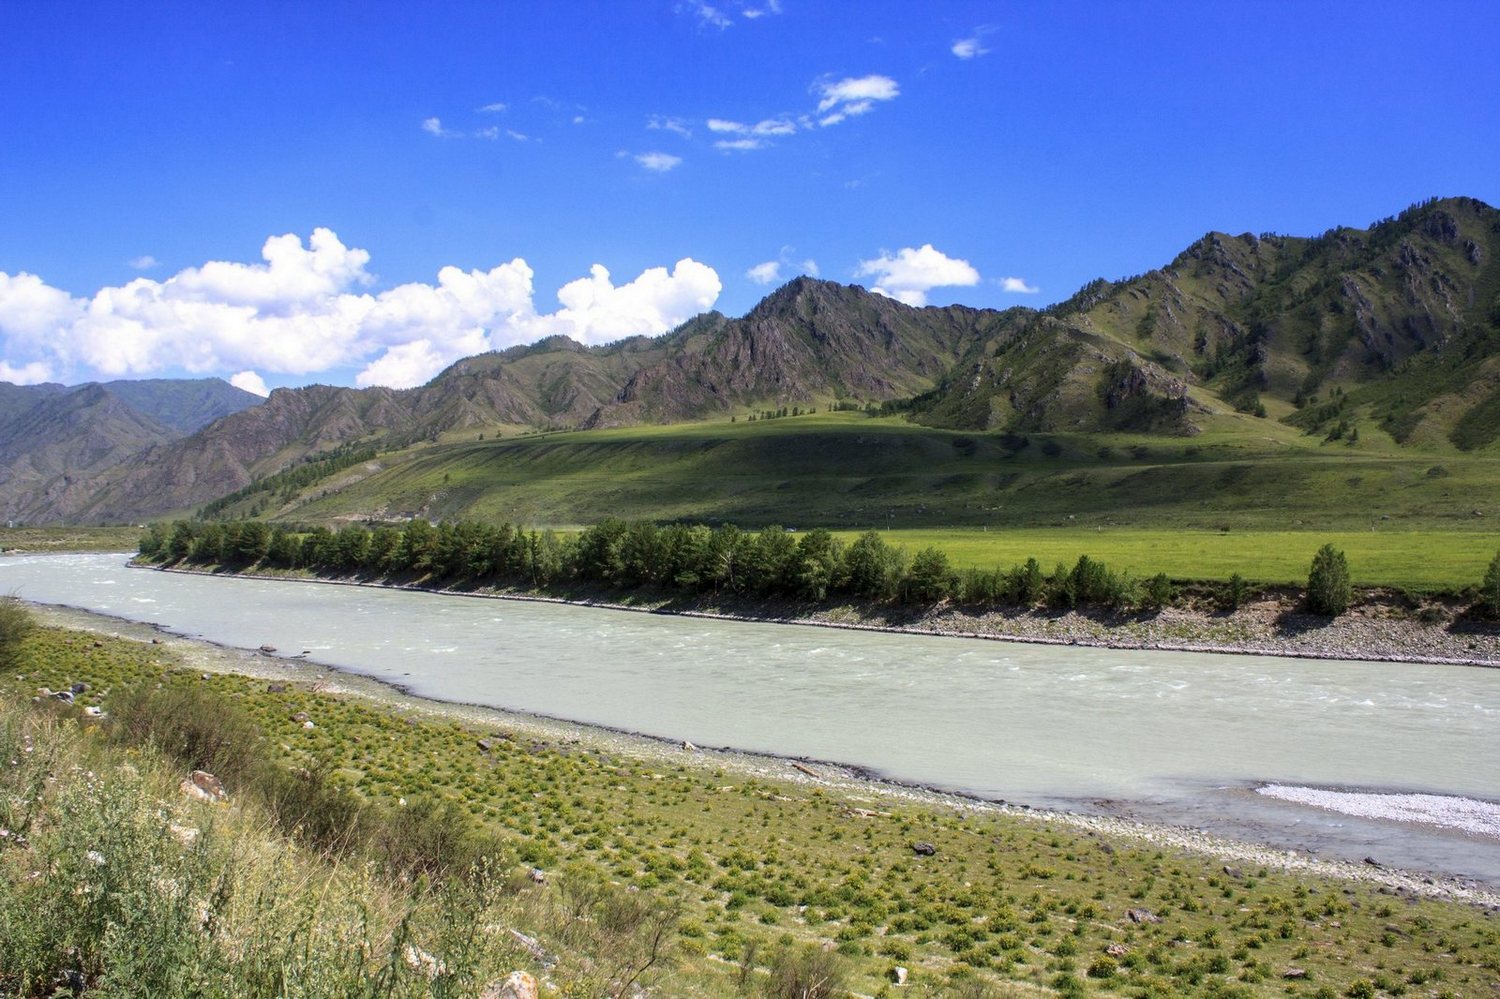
<point>1163,736</point>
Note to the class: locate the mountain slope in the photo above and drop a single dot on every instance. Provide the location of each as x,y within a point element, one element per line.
<point>1394,330</point>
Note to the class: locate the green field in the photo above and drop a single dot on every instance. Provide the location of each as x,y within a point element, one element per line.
<point>1409,559</point>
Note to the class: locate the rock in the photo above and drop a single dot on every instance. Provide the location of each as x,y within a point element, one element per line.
<point>421,962</point>
<point>1233,872</point>
<point>535,949</point>
<point>276,688</point>
<point>300,717</point>
<point>66,696</point>
<point>203,786</point>
<point>516,985</point>
<point>538,876</point>
<point>1372,861</point>
<point>186,835</point>
<point>205,676</point>
<point>1294,973</point>
<point>1142,916</point>
<point>98,645</point>
<point>1117,950</point>
<point>268,649</point>
<point>485,745</point>
<point>804,769</point>
<point>156,641</point>
<point>79,688</point>
<point>923,849</point>
<point>898,975</point>
<point>93,711</point>
<point>689,747</point>
<point>308,725</point>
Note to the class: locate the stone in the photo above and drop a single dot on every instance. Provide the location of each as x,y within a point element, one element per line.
<point>689,747</point>
<point>300,717</point>
<point>203,786</point>
<point>79,688</point>
<point>276,688</point>
<point>1372,861</point>
<point>516,985</point>
<point>268,649</point>
<point>1294,973</point>
<point>93,711</point>
<point>923,849</point>
<point>421,962</point>
<point>485,745</point>
<point>898,975</point>
<point>1233,872</point>
<point>66,696</point>
<point>308,725</point>
<point>1117,950</point>
<point>1142,916</point>
<point>538,876</point>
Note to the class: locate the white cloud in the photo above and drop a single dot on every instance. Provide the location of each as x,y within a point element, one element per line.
<point>492,133</point>
<point>145,262</point>
<point>250,382</point>
<point>494,108</point>
<point>724,125</point>
<point>433,126</point>
<point>707,14</point>
<point>972,47</point>
<point>1018,286</point>
<point>307,309</point>
<point>659,162</point>
<point>908,275</point>
<point>27,374</point>
<point>766,273</point>
<point>739,145</point>
<point>579,119</point>
<point>770,7</point>
<point>855,91</point>
<point>810,267</point>
<point>666,123</point>
<point>518,136</point>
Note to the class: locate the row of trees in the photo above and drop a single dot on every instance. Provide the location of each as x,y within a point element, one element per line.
<point>770,563</point>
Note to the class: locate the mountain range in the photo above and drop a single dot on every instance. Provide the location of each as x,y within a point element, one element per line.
<point>1395,328</point>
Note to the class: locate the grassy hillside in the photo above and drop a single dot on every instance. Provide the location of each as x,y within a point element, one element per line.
<point>853,471</point>
<point>770,878</point>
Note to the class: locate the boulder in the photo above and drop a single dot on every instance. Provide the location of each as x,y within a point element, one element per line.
<point>79,688</point>
<point>1142,916</point>
<point>1117,950</point>
<point>923,849</point>
<point>275,688</point>
<point>300,717</point>
<point>203,786</point>
<point>421,962</point>
<point>1294,973</point>
<point>898,975</point>
<point>268,649</point>
<point>516,985</point>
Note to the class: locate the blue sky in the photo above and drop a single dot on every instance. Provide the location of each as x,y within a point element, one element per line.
<point>701,153</point>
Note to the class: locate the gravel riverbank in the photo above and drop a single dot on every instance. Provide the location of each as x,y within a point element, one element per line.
<point>853,785</point>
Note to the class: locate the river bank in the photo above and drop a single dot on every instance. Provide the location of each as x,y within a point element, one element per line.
<point>1382,631</point>
<point>858,789</point>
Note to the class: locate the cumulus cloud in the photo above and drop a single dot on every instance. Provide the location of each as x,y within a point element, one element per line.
<point>1018,286</point>
<point>659,162</point>
<point>434,126</point>
<point>721,15</point>
<point>909,274</point>
<point>494,108</point>
<point>145,262</point>
<point>250,382</point>
<point>766,273</point>
<point>739,145</point>
<point>308,308</point>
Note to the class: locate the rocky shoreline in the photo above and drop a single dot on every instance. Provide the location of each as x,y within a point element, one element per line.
<point>1380,631</point>
<point>850,783</point>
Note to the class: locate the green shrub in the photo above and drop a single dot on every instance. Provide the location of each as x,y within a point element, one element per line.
<point>15,624</point>
<point>1489,589</point>
<point>1235,593</point>
<point>805,973</point>
<point>1159,592</point>
<point>192,725</point>
<point>1328,588</point>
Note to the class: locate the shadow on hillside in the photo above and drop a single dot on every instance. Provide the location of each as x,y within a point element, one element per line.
<point>1294,623</point>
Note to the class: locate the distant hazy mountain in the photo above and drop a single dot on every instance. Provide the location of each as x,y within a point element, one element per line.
<point>1400,322</point>
<point>57,442</point>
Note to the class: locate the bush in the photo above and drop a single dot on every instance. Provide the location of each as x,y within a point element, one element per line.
<point>15,624</point>
<point>193,726</point>
<point>1489,589</point>
<point>1235,593</point>
<point>805,973</point>
<point>1328,588</point>
<point>1159,592</point>
<point>930,577</point>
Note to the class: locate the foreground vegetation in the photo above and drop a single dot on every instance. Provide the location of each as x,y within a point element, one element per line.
<point>317,880</point>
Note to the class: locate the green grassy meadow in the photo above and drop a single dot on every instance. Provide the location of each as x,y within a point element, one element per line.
<point>764,866</point>
<point>1412,560</point>
<point>1247,495</point>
